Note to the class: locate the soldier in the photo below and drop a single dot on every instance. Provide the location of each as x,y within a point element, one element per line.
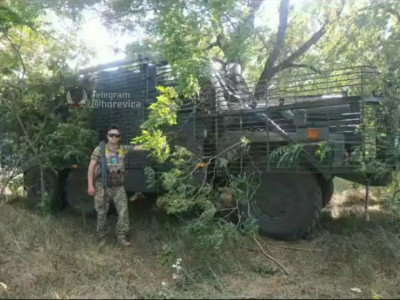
<point>115,155</point>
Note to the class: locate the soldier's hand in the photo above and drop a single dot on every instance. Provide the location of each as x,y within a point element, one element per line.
<point>137,196</point>
<point>91,190</point>
<point>138,147</point>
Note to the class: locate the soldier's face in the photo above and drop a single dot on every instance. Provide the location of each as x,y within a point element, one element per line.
<point>113,136</point>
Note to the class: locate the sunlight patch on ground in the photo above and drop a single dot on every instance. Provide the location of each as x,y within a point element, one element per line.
<point>351,202</point>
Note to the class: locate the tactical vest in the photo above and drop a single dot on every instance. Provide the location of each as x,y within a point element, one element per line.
<point>115,167</point>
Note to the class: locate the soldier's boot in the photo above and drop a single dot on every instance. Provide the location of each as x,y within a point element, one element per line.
<point>123,242</point>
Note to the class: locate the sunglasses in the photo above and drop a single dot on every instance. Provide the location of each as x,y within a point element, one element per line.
<point>114,135</point>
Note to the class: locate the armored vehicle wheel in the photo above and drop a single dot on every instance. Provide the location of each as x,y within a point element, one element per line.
<point>286,205</point>
<point>76,193</point>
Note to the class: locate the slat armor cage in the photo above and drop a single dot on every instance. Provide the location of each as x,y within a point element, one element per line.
<point>317,119</point>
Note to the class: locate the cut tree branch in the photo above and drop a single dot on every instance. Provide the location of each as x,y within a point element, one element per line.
<point>267,74</point>
<point>268,255</point>
<point>270,70</point>
<point>288,62</point>
<point>274,55</point>
<point>303,48</point>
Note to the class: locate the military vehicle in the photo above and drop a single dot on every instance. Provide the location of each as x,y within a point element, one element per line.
<point>305,130</point>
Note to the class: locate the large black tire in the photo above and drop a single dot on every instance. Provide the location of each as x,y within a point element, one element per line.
<point>286,205</point>
<point>76,195</point>
<point>327,189</point>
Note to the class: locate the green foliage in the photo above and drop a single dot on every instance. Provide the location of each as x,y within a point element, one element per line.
<point>178,204</point>
<point>378,154</point>
<point>393,189</point>
<point>70,142</point>
<point>181,195</point>
<point>16,13</point>
<point>323,152</point>
<point>163,111</point>
<point>16,185</point>
<point>210,238</point>
<point>162,114</point>
<point>40,132</point>
<point>167,255</point>
<point>242,186</point>
<point>387,121</point>
<point>193,35</point>
<point>287,156</point>
<point>204,231</point>
<point>391,196</point>
<point>150,175</point>
<point>184,43</point>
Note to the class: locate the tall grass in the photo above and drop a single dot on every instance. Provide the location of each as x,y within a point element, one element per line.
<point>58,257</point>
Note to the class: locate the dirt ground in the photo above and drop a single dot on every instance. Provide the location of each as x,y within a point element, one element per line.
<point>59,257</point>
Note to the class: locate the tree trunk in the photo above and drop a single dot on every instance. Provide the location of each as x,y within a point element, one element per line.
<point>42,188</point>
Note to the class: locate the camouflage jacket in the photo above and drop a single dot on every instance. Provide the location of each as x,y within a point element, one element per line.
<point>115,164</point>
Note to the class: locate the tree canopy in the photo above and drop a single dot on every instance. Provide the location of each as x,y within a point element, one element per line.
<point>196,35</point>
<point>35,71</point>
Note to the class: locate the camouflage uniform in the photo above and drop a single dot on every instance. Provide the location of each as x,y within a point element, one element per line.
<point>115,190</point>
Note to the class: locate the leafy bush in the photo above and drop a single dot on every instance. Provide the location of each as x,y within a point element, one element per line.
<point>16,185</point>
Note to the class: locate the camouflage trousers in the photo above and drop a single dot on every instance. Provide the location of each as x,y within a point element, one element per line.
<point>116,194</point>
